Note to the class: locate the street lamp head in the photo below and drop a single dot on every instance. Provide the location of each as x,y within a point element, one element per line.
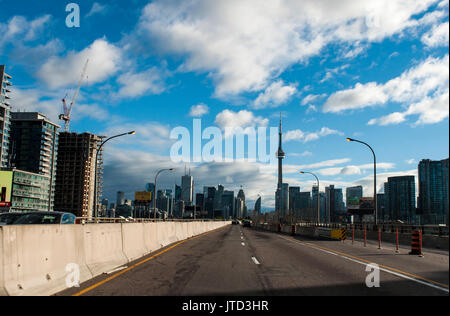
<point>172,169</point>
<point>302,172</point>
<point>132,133</point>
<point>350,139</point>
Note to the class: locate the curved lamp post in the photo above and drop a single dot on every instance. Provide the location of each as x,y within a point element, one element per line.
<point>318,194</point>
<point>155,193</point>
<point>96,157</point>
<point>374,176</point>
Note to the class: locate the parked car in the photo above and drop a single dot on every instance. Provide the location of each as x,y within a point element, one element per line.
<point>235,222</point>
<point>39,218</point>
<point>247,223</point>
<point>9,218</point>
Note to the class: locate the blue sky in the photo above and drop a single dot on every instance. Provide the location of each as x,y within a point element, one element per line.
<point>372,70</point>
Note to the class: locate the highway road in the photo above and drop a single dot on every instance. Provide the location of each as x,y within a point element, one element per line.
<point>238,261</point>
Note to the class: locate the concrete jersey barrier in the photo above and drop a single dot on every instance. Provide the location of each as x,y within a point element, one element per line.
<point>40,259</point>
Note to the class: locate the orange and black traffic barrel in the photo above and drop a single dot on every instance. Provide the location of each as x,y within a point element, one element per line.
<point>416,243</point>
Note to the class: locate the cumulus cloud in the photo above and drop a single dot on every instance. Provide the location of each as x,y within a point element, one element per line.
<point>104,61</point>
<point>199,110</point>
<point>275,95</point>
<point>133,85</point>
<point>245,45</point>
<point>299,135</point>
<point>18,28</point>
<point>438,36</point>
<point>422,90</point>
<point>311,98</point>
<point>229,120</point>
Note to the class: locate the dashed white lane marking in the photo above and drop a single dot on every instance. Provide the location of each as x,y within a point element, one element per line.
<point>242,244</point>
<point>242,238</point>
<point>365,263</point>
<point>255,260</point>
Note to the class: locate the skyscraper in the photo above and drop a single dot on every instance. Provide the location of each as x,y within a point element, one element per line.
<point>228,204</point>
<point>120,198</point>
<point>5,114</point>
<point>400,194</point>
<point>35,146</point>
<point>335,207</point>
<point>353,194</point>
<point>258,206</point>
<point>187,189</point>
<point>433,191</point>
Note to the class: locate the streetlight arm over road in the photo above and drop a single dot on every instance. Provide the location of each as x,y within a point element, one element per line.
<point>154,197</point>
<point>96,158</point>
<point>374,176</point>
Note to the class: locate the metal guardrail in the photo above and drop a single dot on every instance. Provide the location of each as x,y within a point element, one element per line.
<point>104,220</point>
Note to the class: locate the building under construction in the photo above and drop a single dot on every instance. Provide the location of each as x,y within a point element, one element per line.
<point>76,173</point>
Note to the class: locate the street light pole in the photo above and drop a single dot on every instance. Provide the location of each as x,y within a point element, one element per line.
<point>374,176</point>
<point>155,193</point>
<point>96,159</point>
<point>318,194</point>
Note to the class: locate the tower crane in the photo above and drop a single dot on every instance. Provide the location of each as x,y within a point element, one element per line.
<point>68,109</point>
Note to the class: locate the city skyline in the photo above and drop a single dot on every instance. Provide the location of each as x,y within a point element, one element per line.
<point>326,90</point>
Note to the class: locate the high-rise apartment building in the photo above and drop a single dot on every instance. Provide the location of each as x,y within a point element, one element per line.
<point>400,195</point>
<point>433,191</point>
<point>5,116</point>
<point>34,146</point>
<point>75,177</point>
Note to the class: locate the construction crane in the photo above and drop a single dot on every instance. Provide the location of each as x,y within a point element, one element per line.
<point>68,109</point>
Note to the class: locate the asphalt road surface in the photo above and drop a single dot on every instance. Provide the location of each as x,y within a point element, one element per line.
<point>238,261</point>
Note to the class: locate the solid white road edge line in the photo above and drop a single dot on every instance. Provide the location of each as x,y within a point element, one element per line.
<point>381,269</point>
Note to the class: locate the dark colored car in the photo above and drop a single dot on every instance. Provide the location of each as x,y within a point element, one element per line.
<point>9,218</point>
<point>235,222</point>
<point>247,223</point>
<point>40,218</point>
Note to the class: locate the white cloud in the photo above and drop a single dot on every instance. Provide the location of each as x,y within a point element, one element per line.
<point>299,135</point>
<point>134,85</point>
<point>243,119</point>
<point>245,45</point>
<point>411,161</point>
<point>49,103</point>
<point>423,90</point>
<point>360,96</point>
<point>96,8</point>
<point>18,29</point>
<point>199,110</point>
<point>310,98</point>
<point>275,95</point>
<point>438,36</point>
<point>104,61</point>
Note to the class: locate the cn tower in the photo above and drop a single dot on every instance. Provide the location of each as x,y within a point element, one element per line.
<point>280,156</point>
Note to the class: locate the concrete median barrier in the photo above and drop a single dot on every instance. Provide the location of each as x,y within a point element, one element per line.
<point>36,258</point>
<point>103,247</point>
<point>46,259</point>
<point>133,240</point>
<point>151,236</point>
<point>2,282</point>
